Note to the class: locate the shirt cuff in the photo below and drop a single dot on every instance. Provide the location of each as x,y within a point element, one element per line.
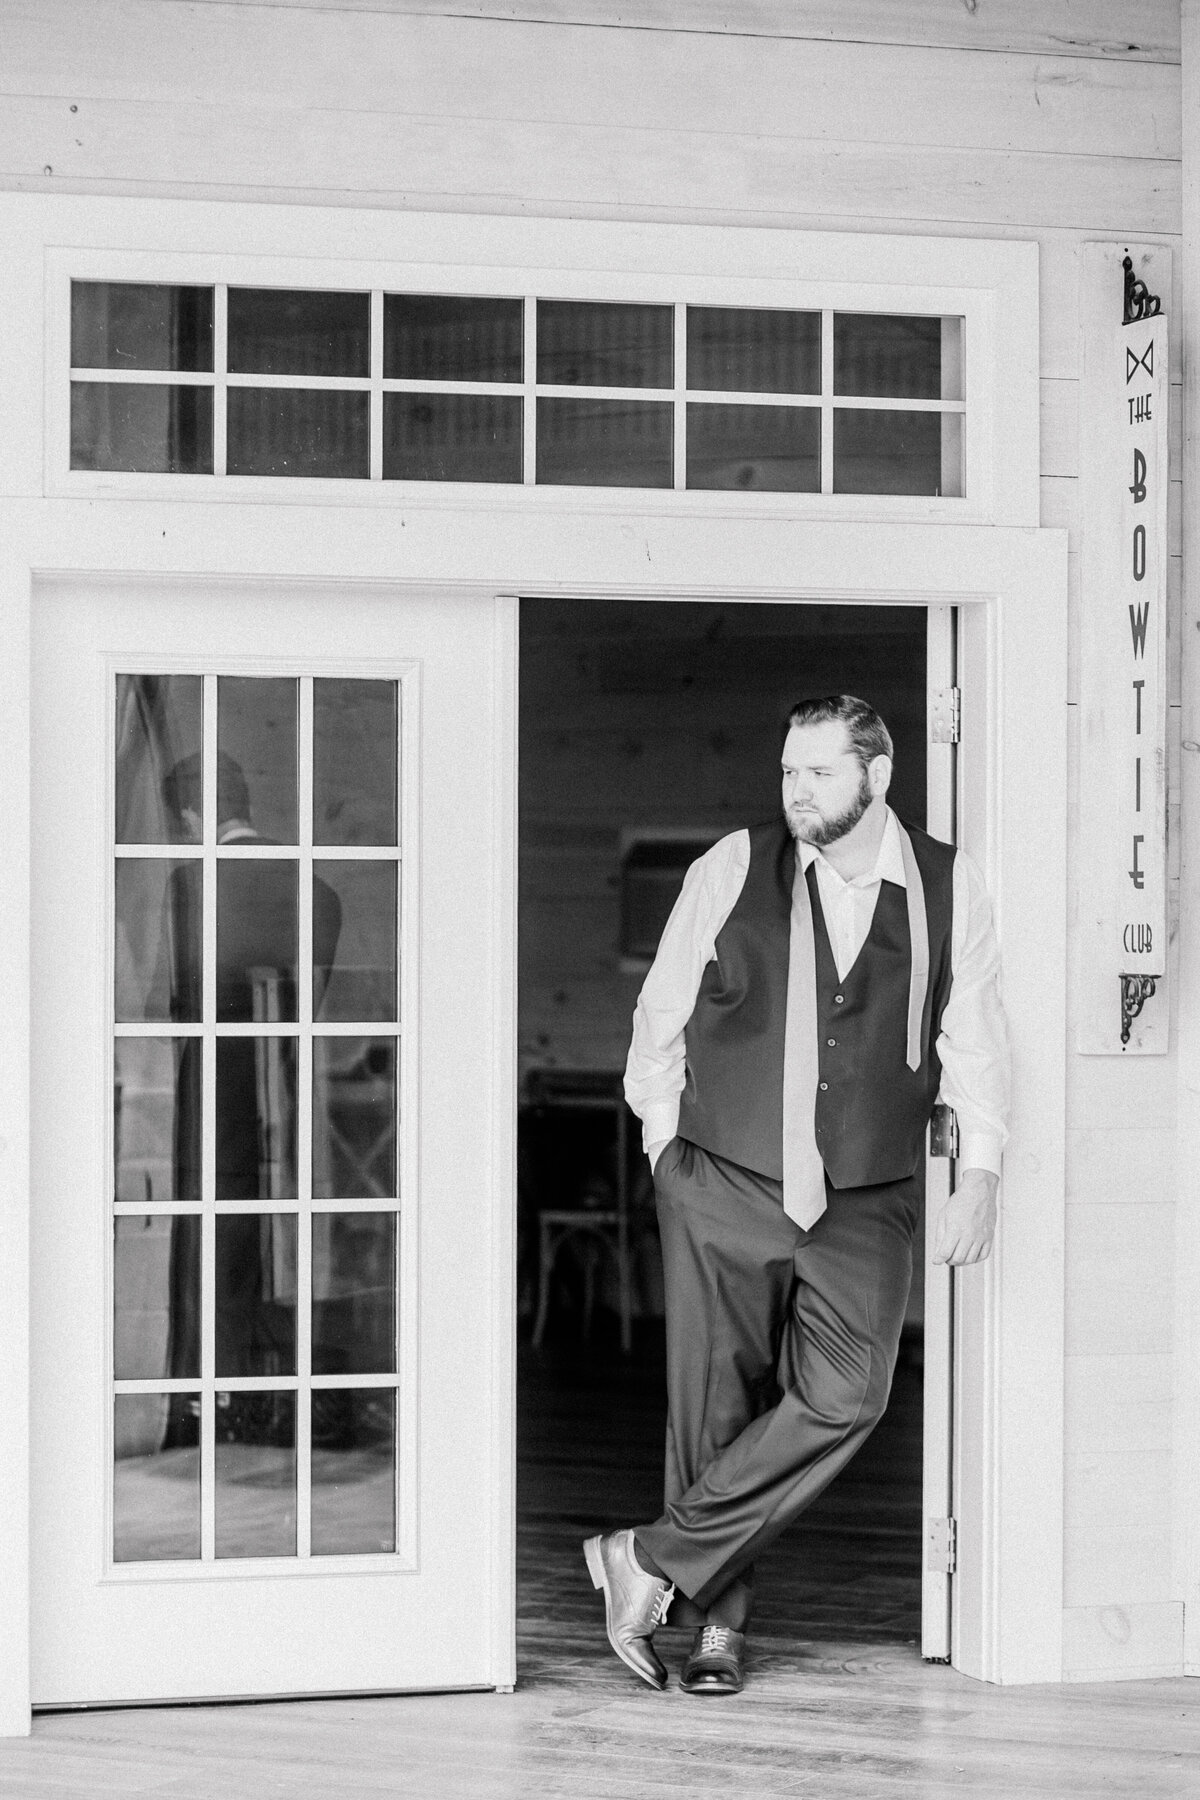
<point>660,1122</point>
<point>980,1150</point>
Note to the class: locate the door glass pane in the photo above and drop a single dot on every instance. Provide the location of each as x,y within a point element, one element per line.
<point>158,734</point>
<point>737,349</point>
<point>354,1118</point>
<point>256,1474</point>
<point>255,1148</point>
<point>755,449</point>
<point>158,939</point>
<point>354,1293</point>
<point>452,437</point>
<point>584,343</point>
<point>140,325</point>
<point>605,443</point>
<point>156,1118</point>
<point>877,452</point>
<point>298,431</point>
<point>146,427</point>
<point>156,1477</point>
<point>897,357</point>
<point>354,761</point>
<point>156,1296</point>
<point>257,936</point>
<point>280,331</point>
<point>354,915</point>
<point>353,1471</point>
<point>440,337</point>
<point>257,724</point>
<point>256,1294</point>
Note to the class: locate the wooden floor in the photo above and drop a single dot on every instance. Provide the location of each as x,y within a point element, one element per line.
<point>838,1702</point>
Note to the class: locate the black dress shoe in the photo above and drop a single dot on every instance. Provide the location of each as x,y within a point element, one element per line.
<point>715,1664</point>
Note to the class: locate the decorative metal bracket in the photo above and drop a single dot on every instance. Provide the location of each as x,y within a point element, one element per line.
<point>1140,303</point>
<point>1135,991</point>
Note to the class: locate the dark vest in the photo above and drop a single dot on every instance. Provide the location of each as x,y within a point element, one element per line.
<point>872,1109</point>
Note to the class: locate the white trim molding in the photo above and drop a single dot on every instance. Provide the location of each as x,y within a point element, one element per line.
<point>1006,576</point>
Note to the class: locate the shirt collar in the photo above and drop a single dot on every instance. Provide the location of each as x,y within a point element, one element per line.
<point>889,862</point>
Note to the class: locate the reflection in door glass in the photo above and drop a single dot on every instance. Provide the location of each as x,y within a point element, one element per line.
<point>156,1477</point>
<point>354,1118</point>
<point>158,726</point>
<point>156,1296</point>
<point>255,1294</point>
<point>255,1138</point>
<point>354,1293</point>
<point>257,723</point>
<point>353,1471</point>
<point>354,762</point>
<point>256,1474</point>
<point>158,937</point>
<point>257,941</point>
<point>156,1118</point>
<point>360,983</point>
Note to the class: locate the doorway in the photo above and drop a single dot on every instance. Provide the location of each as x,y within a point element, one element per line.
<point>647,731</point>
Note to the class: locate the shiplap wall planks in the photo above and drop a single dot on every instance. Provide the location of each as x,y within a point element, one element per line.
<point>1055,120</point>
<point>1106,28</point>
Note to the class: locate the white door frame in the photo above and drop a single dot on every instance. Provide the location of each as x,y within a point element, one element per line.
<point>1007,577</point>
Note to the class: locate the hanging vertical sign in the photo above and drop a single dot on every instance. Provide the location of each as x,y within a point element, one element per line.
<point>1121,893</point>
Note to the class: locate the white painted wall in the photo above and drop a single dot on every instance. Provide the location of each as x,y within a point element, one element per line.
<point>1056,120</point>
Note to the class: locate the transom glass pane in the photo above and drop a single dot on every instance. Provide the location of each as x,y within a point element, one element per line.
<point>754,448</point>
<point>585,343</point>
<point>445,337</point>
<point>605,443</point>
<point>453,437</point>
<point>897,356</point>
<point>299,431</point>
<point>877,452</point>
<point>141,325</point>
<point>738,349</point>
<point>148,428</point>
<point>279,331</point>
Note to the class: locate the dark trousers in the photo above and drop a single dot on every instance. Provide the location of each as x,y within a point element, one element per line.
<point>780,1349</point>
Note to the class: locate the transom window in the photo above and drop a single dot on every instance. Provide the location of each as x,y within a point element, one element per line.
<point>259,381</point>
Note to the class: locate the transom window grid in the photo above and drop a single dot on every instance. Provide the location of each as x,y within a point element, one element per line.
<point>304,1030</point>
<point>823,405</point>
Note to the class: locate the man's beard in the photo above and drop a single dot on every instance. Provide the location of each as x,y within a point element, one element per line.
<point>819,830</point>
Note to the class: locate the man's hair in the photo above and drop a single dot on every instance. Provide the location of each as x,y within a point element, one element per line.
<point>182,786</point>
<point>869,736</point>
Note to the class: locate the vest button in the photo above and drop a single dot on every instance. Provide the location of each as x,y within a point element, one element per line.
<point>832,1042</point>
<point>838,998</point>
<point>824,1086</point>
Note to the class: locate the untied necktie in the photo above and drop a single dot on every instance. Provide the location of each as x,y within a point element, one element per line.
<point>803,1170</point>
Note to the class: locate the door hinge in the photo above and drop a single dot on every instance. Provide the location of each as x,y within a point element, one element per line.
<point>941,1546</point>
<point>943,1131</point>
<point>945,715</point>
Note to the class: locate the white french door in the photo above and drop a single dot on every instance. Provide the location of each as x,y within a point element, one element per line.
<point>937,1506</point>
<point>270,1439</point>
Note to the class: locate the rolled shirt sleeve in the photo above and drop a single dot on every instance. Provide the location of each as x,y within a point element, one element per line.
<point>973,1042</point>
<point>657,1065</point>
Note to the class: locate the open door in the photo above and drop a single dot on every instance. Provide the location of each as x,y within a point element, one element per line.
<point>937,1501</point>
<point>271,1435</point>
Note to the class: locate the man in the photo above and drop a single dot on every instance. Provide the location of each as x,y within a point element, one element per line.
<point>819,981</point>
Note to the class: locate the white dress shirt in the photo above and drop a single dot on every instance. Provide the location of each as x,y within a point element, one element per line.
<point>972,1044</point>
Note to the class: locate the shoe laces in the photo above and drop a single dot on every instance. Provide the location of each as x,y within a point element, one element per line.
<point>714,1639</point>
<point>662,1601</point>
